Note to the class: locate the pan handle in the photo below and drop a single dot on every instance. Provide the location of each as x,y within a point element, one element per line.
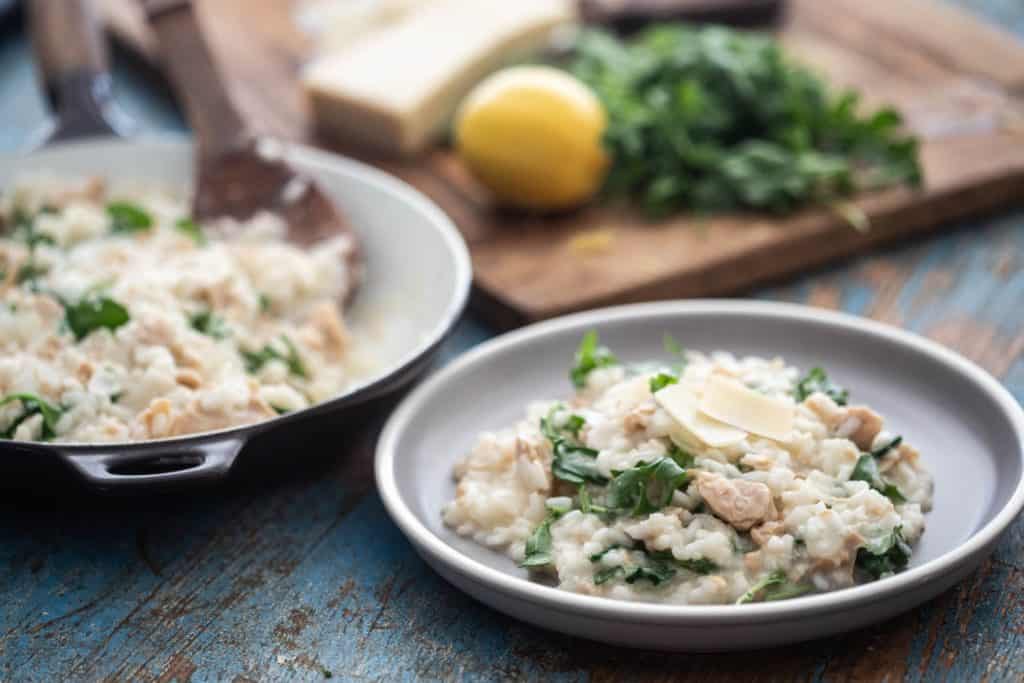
<point>148,464</point>
<point>71,57</point>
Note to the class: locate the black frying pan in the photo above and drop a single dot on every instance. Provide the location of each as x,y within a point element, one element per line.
<point>73,68</point>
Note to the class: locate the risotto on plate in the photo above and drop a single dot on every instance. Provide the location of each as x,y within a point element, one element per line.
<point>708,479</point>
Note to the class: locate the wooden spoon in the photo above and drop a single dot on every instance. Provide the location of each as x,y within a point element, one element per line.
<point>71,58</point>
<point>238,174</point>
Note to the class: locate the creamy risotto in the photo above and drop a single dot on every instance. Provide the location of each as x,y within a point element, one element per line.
<point>710,479</point>
<point>122,319</point>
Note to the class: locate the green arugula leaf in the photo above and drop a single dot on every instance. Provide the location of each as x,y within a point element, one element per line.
<point>32,405</point>
<point>607,574</point>
<point>597,557</point>
<point>645,488</point>
<point>126,217</point>
<point>889,557</point>
<point>589,357</point>
<point>662,380</point>
<point>701,565</point>
<point>588,506</point>
<point>209,323</point>
<point>255,360</point>
<point>192,229</point>
<point>571,461</point>
<point>817,381</point>
<point>538,545</point>
<point>24,227</point>
<point>879,452</point>
<point>573,425</point>
<point>774,586</point>
<point>655,572</point>
<point>658,566</point>
<point>682,458</point>
<point>93,312</point>
<point>29,272</point>
<point>866,469</point>
<point>672,346</point>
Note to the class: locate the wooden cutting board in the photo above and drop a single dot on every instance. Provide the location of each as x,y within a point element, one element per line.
<point>959,83</point>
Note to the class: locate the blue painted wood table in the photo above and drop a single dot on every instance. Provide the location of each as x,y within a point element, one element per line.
<point>292,571</point>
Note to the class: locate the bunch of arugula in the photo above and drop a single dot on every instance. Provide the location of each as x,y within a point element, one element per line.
<point>713,119</point>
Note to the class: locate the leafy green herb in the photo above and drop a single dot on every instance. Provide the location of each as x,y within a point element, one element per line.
<point>701,565</point>
<point>574,424</point>
<point>607,574</point>
<point>265,303</point>
<point>682,458</point>
<point>209,323</point>
<point>879,452</point>
<point>675,348</point>
<point>775,586</point>
<point>588,506</point>
<point>571,461</point>
<point>714,119</point>
<point>538,545</point>
<point>25,230</point>
<point>255,360</point>
<point>817,381</point>
<point>658,566</point>
<point>93,312</point>
<point>24,225</point>
<point>192,229</point>
<point>784,591</point>
<point>672,346</point>
<point>29,272</point>
<point>888,557</point>
<point>32,405</point>
<point>866,469</point>
<point>645,488</point>
<point>655,571</point>
<point>280,410</point>
<point>126,217</point>
<point>597,557</point>
<point>662,380</point>
<point>589,357</point>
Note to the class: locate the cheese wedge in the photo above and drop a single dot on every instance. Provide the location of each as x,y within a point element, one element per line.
<point>678,402</point>
<point>731,402</point>
<point>395,89</point>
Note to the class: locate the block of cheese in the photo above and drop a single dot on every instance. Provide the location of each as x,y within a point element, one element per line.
<point>733,403</point>
<point>396,88</point>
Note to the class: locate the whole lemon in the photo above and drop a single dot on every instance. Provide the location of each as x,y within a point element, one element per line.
<point>532,134</point>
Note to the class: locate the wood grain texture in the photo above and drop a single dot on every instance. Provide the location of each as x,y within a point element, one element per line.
<point>294,568</point>
<point>956,79</point>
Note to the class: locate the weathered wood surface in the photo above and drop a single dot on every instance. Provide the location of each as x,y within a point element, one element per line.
<point>294,569</point>
<point>955,79</point>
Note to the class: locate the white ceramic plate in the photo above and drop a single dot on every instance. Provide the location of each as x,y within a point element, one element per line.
<point>968,428</point>
<point>417,280</point>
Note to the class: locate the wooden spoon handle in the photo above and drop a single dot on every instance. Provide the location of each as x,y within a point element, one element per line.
<point>218,127</point>
<point>66,37</point>
<point>71,57</point>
